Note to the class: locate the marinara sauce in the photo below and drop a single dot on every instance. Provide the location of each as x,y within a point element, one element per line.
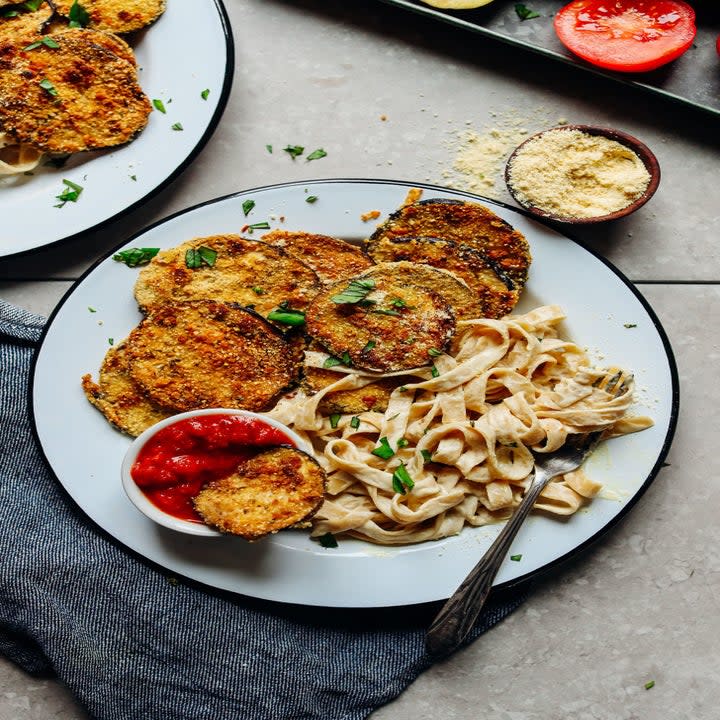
<point>180,459</point>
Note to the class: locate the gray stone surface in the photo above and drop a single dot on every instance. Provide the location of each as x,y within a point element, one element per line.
<point>642,604</point>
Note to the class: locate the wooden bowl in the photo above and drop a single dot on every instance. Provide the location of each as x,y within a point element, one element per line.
<point>640,149</point>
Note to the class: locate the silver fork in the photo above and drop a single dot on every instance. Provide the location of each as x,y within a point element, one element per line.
<point>453,623</point>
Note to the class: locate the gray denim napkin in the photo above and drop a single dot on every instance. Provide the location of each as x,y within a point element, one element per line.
<point>134,643</point>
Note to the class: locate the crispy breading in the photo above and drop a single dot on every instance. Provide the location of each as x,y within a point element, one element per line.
<point>119,398</point>
<point>121,16</point>
<point>393,327</point>
<point>276,489</point>
<point>496,294</point>
<point>467,223</point>
<point>24,23</point>
<point>248,272</point>
<point>202,353</point>
<point>73,97</point>
<point>332,259</point>
<point>374,396</point>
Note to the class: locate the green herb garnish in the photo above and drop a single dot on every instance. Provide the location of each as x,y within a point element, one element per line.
<point>369,345</point>
<point>78,15</point>
<point>427,455</point>
<point>328,540</point>
<point>516,558</point>
<point>434,352</point>
<point>524,13</point>
<point>311,199</point>
<point>316,154</point>
<point>356,291</point>
<point>247,206</point>
<point>334,420</point>
<point>33,5</point>
<point>132,257</point>
<point>197,257</point>
<point>265,225</point>
<point>71,193</point>
<point>159,105</point>
<point>398,303</point>
<point>332,361</point>
<point>286,315</point>
<point>383,450</point>
<point>177,126</point>
<point>401,480</point>
<point>354,422</point>
<point>402,442</point>
<point>46,41</point>
<point>205,93</point>
<point>630,325</point>
<point>434,371</point>
<point>269,148</point>
<point>294,150</point>
<point>649,684</point>
<point>49,88</point>
<point>258,290</point>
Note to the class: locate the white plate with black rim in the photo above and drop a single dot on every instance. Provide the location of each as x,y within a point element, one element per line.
<point>605,313</point>
<point>191,87</point>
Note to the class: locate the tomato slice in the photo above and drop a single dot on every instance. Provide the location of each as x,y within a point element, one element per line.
<point>626,35</point>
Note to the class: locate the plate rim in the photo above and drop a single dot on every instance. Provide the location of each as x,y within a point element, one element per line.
<point>169,179</point>
<point>523,579</point>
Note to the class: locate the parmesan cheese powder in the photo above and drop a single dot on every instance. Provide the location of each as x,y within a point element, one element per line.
<point>569,173</point>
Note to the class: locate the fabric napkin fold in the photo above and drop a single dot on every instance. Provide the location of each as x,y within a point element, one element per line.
<point>131,641</point>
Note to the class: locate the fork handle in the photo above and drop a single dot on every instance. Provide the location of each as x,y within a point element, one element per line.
<point>454,621</point>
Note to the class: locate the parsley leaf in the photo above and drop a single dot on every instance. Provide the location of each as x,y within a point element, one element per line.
<point>46,85</point>
<point>286,315</point>
<point>78,15</point>
<point>177,126</point>
<point>524,13</point>
<point>71,193</point>
<point>132,257</point>
<point>247,206</point>
<point>205,93</point>
<point>47,41</point>
<point>383,450</point>
<point>401,480</point>
<point>197,257</point>
<point>294,150</point>
<point>159,105</point>
<point>356,291</point>
<point>316,155</point>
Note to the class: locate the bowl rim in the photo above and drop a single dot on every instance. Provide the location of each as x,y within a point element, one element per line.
<point>138,498</point>
<point>629,141</point>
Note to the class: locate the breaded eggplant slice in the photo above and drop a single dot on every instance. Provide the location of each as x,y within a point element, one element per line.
<point>393,324</point>
<point>26,24</point>
<point>276,489</point>
<point>496,293</point>
<point>374,396</point>
<point>120,16</point>
<point>332,259</point>
<point>467,223</point>
<point>248,272</point>
<point>202,353</point>
<point>119,398</point>
<point>70,98</point>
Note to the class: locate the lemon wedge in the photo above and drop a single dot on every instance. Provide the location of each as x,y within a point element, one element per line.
<point>457,4</point>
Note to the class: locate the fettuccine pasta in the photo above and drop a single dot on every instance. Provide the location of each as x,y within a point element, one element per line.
<point>455,446</point>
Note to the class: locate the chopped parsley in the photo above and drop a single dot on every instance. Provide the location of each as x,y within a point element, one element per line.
<point>258,290</point>
<point>369,345</point>
<point>46,41</point>
<point>316,155</point>
<point>294,150</point>
<point>269,148</point>
<point>286,315</point>
<point>356,291</point>
<point>649,684</point>
<point>48,87</point>
<point>328,540</point>
<point>111,341</point>
<point>334,420</point>
<point>630,325</point>
<point>354,422</point>
<point>311,199</point>
<point>78,16</point>
<point>401,480</point>
<point>132,257</point>
<point>33,5</point>
<point>159,105</point>
<point>205,93</point>
<point>92,309</point>
<point>247,206</point>
<point>332,361</point>
<point>524,12</point>
<point>197,257</point>
<point>398,303</point>
<point>71,193</point>
<point>402,442</point>
<point>427,455</point>
<point>383,450</point>
<point>434,371</point>
<point>516,558</point>
<point>265,225</point>
<point>177,126</point>
<point>434,352</point>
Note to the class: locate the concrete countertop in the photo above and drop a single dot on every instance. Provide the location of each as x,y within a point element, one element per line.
<point>392,95</point>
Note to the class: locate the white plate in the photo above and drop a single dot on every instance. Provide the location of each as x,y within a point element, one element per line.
<point>85,452</point>
<point>168,71</point>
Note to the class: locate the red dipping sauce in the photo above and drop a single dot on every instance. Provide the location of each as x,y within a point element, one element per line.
<point>180,459</point>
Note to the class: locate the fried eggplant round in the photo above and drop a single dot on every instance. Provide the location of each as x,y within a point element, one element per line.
<point>119,398</point>
<point>202,353</point>
<point>495,293</point>
<point>25,24</point>
<point>120,16</point>
<point>248,272</point>
<point>381,320</point>
<point>331,258</point>
<point>504,249</point>
<point>273,490</point>
<point>76,95</point>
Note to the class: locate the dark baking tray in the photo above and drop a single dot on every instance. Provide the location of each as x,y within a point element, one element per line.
<point>693,79</point>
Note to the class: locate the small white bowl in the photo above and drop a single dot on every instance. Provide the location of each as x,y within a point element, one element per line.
<point>152,511</point>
